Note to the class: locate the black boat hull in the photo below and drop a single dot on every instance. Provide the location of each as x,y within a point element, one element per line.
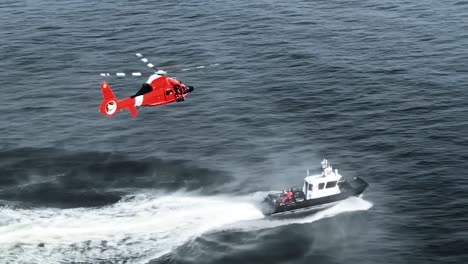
<point>272,207</point>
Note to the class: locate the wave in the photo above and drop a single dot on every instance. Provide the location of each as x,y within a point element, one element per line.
<point>65,179</point>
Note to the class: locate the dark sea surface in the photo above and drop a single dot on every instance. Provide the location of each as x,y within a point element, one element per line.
<point>376,87</point>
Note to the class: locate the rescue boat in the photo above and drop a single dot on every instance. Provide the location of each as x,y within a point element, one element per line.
<point>318,192</point>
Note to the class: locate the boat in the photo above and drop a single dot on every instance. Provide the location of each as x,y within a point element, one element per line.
<point>318,192</point>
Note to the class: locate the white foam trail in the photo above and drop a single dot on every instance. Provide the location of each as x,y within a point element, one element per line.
<point>137,228</point>
<point>142,228</point>
<point>349,205</point>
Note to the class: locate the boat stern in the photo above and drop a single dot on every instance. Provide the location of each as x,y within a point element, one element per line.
<point>269,205</point>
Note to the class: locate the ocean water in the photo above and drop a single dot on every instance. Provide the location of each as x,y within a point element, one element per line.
<point>376,87</point>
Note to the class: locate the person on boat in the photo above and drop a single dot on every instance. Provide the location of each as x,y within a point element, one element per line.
<point>288,196</point>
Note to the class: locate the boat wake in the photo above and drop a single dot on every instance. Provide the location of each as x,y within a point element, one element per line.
<point>140,227</point>
<point>348,205</point>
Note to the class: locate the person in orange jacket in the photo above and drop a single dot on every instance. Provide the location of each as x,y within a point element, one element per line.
<point>288,196</point>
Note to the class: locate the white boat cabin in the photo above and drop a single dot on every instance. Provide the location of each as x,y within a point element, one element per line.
<point>320,185</point>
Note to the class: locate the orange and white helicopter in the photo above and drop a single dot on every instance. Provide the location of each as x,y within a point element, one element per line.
<point>156,91</point>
